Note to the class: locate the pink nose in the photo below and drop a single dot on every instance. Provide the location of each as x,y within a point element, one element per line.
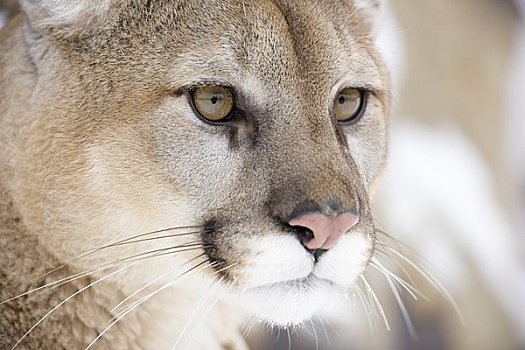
<point>326,229</point>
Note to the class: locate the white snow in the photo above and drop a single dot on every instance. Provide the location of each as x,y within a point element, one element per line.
<point>515,122</point>
<point>438,198</point>
<point>3,18</point>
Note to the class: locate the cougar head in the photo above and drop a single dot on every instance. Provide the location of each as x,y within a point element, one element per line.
<point>250,132</point>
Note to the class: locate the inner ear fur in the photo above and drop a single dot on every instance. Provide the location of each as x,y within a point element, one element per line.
<point>71,14</point>
<point>371,11</point>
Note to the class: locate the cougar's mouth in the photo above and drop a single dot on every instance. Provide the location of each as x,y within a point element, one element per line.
<point>301,286</point>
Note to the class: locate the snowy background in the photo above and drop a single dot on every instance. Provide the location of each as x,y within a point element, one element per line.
<point>454,189</point>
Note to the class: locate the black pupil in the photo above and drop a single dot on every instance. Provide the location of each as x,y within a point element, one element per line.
<point>342,99</point>
<point>214,99</point>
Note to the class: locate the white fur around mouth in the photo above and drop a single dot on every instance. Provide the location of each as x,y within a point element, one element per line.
<point>290,302</point>
<point>282,284</point>
<point>301,285</point>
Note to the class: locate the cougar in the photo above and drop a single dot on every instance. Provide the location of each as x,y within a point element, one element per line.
<point>173,170</point>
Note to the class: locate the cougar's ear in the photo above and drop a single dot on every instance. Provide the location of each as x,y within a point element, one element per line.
<point>371,12</point>
<point>71,14</point>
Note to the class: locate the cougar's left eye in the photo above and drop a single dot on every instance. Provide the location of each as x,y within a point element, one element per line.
<point>349,105</point>
<point>213,103</point>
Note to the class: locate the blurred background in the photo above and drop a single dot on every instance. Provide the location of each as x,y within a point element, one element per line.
<point>454,189</point>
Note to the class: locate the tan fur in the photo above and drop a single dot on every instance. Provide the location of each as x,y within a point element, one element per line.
<point>98,143</point>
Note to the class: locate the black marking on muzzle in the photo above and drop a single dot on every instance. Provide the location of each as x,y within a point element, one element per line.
<point>211,230</point>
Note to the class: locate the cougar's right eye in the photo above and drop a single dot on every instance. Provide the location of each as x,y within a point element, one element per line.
<point>349,105</point>
<point>213,103</point>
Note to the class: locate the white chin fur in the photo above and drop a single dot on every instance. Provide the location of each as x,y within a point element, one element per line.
<point>287,305</point>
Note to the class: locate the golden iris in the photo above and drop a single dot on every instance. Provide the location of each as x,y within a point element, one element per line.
<point>213,103</point>
<point>348,105</point>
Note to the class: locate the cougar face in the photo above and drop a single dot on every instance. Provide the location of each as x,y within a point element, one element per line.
<point>253,130</point>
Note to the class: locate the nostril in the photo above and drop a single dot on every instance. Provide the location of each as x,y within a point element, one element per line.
<point>304,234</point>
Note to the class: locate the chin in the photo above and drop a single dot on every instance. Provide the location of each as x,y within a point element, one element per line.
<point>290,303</point>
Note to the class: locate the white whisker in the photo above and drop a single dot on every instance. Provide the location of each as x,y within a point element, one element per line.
<point>103,267</point>
<point>246,325</point>
<point>211,306</point>
<point>151,283</point>
<point>90,252</point>
<point>332,327</point>
<point>316,337</point>
<point>278,335</point>
<point>289,339</point>
<point>116,307</point>
<point>402,307</point>
<point>369,288</point>
<point>248,330</point>
<point>307,330</point>
<point>372,306</point>
<point>325,332</point>
<point>168,284</point>
<point>67,299</point>
<point>60,282</point>
<point>402,268</point>
<point>389,274</point>
<point>433,281</point>
<point>143,300</point>
<point>202,302</point>
<point>368,312</point>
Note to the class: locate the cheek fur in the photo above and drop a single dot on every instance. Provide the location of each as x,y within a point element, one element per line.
<point>346,260</point>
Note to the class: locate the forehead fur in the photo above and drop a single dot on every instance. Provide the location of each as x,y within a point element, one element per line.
<point>239,36</point>
<point>79,13</point>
